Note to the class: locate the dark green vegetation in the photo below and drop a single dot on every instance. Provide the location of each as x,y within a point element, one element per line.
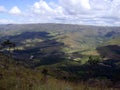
<point>73,53</point>
<point>14,76</point>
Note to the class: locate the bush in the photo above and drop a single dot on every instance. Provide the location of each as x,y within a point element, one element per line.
<point>93,60</point>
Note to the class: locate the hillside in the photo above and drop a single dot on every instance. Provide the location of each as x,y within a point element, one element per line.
<point>70,38</point>
<point>15,75</point>
<point>72,53</point>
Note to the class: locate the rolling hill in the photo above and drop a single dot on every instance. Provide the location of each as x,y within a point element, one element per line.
<point>70,38</point>
<point>73,53</point>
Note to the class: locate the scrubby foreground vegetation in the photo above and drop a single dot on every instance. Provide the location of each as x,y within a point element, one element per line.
<point>59,57</point>
<point>16,76</point>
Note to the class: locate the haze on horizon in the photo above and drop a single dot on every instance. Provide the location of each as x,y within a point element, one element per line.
<point>87,12</point>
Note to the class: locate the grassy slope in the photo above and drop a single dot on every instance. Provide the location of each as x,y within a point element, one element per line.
<point>76,38</point>
<point>81,39</point>
<point>14,76</point>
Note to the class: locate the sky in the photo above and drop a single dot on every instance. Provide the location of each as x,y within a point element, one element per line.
<point>87,12</point>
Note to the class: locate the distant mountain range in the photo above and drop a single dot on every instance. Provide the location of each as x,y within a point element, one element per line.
<point>75,37</point>
<point>68,52</point>
<point>66,38</point>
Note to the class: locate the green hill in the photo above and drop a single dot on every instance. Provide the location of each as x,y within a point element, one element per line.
<point>15,75</point>
<point>65,38</point>
<point>72,53</point>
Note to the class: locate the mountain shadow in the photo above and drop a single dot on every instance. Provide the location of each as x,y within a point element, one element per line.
<point>27,35</point>
<point>46,52</point>
<point>105,69</point>
<point>110,52</point>
<point>112,55</point>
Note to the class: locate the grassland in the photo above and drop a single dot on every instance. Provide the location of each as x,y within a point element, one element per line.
<point>76,57</point>
<point>15,76</point>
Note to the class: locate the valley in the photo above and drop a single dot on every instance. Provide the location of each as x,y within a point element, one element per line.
<point>69,52</point>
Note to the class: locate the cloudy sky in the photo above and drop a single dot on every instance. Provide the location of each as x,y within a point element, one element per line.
<point>90,12</point>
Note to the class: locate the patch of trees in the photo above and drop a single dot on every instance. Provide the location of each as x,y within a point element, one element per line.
<point>7,44</point>
<point>94,60</point>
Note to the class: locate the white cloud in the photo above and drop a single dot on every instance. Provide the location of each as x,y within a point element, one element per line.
<point>46,12</point>
<point>2,9</point>
<point>87,10</point>
<point>100,4</point>
<point>41,7</point>
<point>75,6</point>
<point>85,4</point>
<point>15,10</point>
<point>76,11</point>
<point>5,21</point>
<point>106,12</point>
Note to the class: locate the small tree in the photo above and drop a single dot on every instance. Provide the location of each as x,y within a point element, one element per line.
<point>9,44</point>
<point>93,60</point>
<point>44,72</point>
